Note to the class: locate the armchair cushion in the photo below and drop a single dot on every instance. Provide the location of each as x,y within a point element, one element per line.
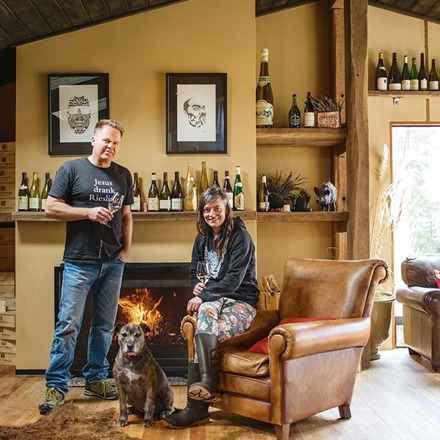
<point>239,361</point>
<point>262,346</point>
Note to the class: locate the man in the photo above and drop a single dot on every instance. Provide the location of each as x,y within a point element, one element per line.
<point>97,246</point>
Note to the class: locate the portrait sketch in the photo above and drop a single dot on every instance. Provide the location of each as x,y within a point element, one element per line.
<point>196,112</point>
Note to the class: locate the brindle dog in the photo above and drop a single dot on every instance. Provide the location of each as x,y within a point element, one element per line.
<point>139,379</point>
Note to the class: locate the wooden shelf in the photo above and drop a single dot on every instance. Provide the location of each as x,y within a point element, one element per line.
<point>301,137</point>
<point>314,216</point>
<point>22,216</point>
<point>405,93</point>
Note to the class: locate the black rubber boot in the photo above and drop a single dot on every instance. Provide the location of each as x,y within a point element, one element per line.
<point>207,353</point>
<point>196,411</point>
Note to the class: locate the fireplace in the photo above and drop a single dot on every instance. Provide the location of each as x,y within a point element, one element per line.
<point>153,293</point>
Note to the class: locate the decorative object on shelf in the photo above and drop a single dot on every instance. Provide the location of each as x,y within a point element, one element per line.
<point>281,188</point>
<point>76,103</point>
<point>302,201</point>
<point>326,196</point>
<point>329,111</point>
<point>196,113</point>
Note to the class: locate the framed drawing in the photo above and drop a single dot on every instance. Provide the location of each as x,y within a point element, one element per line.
<point>76,103</point>
<point>196,113</point>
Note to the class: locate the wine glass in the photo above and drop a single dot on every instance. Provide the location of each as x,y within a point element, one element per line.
<point>114,204</point>
<point>203,271</point>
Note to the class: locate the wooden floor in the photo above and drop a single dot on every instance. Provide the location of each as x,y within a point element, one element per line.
<point>397,398</point>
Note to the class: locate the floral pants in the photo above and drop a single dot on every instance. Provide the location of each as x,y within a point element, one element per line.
<point>225,317</point>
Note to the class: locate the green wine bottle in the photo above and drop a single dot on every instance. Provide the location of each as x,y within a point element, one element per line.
<point>394,78</point>
<point>433,77</point>
<point>34,194</point>
<point>294,114</point>
<point>165,195</point>
<point>23,194</point>
<point>238,191</point>
<point>177,194</point>
<point>45,191</point>
<point>204,185</point>
<point>414,76</point>
<point>137,194</point>
<point>423,77</point>
<point>153,195</point>
<point>406,82</point>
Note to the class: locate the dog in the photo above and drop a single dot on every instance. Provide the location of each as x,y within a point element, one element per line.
<point>140,381</point>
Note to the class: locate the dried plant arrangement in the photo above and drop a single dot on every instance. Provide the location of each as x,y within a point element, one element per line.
<point>326,104</point>
<point>282,187</point>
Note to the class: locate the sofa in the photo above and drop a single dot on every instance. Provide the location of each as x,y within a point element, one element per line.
<point>421,307</point>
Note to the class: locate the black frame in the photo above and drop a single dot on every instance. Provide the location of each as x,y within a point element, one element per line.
<point>216,122</point>
<point>55,81</point>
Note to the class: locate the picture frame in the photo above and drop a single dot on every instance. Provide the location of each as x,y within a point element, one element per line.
<point>196,113</point>
<point>76,102</point>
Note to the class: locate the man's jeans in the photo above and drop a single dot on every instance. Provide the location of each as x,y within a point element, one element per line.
<point>78,278</point>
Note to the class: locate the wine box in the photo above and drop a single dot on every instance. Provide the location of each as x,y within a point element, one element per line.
<point>7,333</point>
<point>7,319</point>
<point>7,304</point>
<point>7,347</point>
<point>329,119</point>
<point>7,281</point>
<point>7,175</point>
<point>7,359</point>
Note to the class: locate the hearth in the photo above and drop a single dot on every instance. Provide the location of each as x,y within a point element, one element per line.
<point>153,293</point>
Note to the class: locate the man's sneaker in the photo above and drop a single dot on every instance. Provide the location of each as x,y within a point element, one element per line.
<point>51,399</point>
<point>101,389</point>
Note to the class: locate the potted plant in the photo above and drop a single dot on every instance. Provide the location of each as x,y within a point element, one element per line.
<point>282,188</point>
<point>302,201</point>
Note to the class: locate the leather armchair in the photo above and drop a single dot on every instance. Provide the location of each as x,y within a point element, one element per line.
<point>311,366</point>
<point>421,307</point>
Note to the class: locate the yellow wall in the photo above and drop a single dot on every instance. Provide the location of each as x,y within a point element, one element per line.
<point>297,40</point>
<point>195,36</point>
<point>381,111</point>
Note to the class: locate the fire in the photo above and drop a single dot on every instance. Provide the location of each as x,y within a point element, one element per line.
<point>140,308</point>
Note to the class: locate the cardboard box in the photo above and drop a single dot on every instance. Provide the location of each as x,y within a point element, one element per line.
<point>7,191</point>
<point>7,175</point>
<point>7,347</point>
<point>7,319</point>
<point>8,333</point>
<point>7,359</point>
<point>7,147</point>
<point>7,161</point>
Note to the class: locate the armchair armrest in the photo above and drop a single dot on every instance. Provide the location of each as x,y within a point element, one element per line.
<point>264,322</point>
<point>290,341</point>
<point>416,296</point>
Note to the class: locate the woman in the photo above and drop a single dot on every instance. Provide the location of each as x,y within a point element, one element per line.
<point>225,305</point>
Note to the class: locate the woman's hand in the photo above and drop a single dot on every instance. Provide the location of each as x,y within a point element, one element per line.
<point>193,305</point>
<point>198,289</point>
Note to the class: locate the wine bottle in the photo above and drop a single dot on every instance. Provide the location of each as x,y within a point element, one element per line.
<point>215,183</point>
<point>433,77</point>
<point>190,191</point>
<point>395,78</point>
<point>264,95</point>
<point>176,194</point>
<point>414,76</point>
<point>204,185</point>
<point>263,196</point>
<point>23,194</point>
<point>406,82</point>
<point>34,194</point>
<point>423,77</point>
<point>381,74</point>
<point>165,195</point>
<point>309,112</point>
<point>238,191</point>
<point>228,189</point>
<point>45,191</point>
<point>153,195</point>
<point>294,114</point>
<point>137,194</point>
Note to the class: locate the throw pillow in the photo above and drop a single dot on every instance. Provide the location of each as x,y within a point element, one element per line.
<point>262,346</point>
<point>437,277</point>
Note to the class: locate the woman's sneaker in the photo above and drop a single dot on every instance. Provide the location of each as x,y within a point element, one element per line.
<point>101,389</point>
<point>52,398</point>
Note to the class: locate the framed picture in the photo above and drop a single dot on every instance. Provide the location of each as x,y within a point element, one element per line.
<point>76,103</point>
<point>196,113</point>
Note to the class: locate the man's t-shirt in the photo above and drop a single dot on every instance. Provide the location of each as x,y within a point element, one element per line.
<point>81,184</point>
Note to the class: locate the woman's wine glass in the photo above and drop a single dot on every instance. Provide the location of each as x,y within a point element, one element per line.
<point>203,271</point>
<point>114,204</point>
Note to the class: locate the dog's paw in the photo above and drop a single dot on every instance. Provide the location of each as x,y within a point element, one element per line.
<point>148,422</point>
<point>123,422</point>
